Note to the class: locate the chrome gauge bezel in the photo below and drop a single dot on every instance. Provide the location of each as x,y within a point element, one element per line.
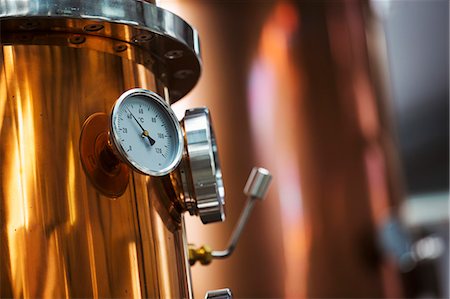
<point>202,179</point>
<point>152,96</point>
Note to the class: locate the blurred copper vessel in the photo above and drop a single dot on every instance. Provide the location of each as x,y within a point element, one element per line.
<point>62,61</point>
<point>305,97</point>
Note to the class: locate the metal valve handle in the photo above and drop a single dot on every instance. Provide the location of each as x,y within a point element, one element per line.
<point>219,294</point>
<point>256,189</point>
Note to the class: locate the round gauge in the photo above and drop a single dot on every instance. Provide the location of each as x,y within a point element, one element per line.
<point>146,132</point>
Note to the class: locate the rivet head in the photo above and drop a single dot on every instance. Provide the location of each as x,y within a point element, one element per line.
<point>29,25</point>
<point>142,37</point>
<point>120,47</point>
<point>77,39</point>
<point>93,27</point>
<point>183,74</point>
<point>174,54</point>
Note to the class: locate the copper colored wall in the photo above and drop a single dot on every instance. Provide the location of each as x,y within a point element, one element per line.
<point>59,236</point>
<point>293,86</point>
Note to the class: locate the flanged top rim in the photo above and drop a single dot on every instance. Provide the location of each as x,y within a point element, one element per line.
<point>173,43</point>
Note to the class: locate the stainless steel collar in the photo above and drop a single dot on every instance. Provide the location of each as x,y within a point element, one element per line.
<point>201,173</point>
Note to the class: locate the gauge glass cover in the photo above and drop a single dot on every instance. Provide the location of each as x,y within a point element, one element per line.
<point>146,132</point>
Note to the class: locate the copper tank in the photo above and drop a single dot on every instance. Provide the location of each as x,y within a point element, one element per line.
<point>62,61</point>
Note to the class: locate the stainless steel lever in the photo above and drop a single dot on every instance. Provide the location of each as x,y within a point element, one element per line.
<point>255,189</point>
<point>219,294</point>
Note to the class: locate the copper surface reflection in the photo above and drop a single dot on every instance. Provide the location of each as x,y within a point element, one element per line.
<point>59,237</point>
<point>275,130</point>
<point>335,148</point>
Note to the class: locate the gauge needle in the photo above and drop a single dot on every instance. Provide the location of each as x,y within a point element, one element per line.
<point>144,131</point>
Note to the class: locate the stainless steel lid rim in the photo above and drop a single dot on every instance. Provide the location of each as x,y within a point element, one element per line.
<point>168,37</point>
<point>142,15</point>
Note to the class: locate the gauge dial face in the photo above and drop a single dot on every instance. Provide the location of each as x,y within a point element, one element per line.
<point>146,132</point>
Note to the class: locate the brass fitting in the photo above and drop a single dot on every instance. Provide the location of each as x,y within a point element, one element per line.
<point>201,254</point>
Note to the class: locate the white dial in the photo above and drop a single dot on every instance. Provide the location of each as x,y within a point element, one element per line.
<point>146,132</point>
